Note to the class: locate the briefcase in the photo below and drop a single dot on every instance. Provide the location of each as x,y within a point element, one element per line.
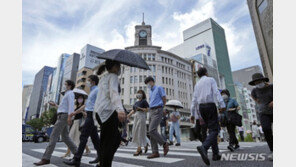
<point>235,118</point>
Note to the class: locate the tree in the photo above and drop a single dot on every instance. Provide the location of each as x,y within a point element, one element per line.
<point>36,123</point>
<point>49,117</point>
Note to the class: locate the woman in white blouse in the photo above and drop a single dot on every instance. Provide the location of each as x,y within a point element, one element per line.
<point>110,110</point>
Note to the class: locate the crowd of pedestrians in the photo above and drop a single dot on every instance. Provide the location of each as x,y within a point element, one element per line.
<point>103,108</point>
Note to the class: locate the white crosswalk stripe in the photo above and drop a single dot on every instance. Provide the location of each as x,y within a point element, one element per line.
<point>27,161</point>
<point>86,159</point>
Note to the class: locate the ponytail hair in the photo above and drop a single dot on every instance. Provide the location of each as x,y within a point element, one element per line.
<point>107,65</point>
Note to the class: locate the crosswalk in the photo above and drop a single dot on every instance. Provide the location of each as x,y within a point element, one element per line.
<point>176,154</point>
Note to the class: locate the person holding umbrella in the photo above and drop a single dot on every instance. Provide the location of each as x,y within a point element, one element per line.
<point>174,117</point>
<point>88,129</point>
<point>263,96</point>
<point>157,101</point>
<point>64,112</point>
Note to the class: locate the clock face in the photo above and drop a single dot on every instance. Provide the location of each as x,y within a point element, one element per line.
<point>143,34</point>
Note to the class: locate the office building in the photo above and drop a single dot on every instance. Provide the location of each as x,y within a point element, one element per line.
<point>244,76</point>
<point>27,90</point>
<point>71,67</point>
<point>39,87</point>
<point>87,63</point>
<point>57,84</point>
<point>206,41</point>
<point>261,12</point>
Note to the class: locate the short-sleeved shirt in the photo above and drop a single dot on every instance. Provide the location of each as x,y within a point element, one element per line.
<point>90,102</point>
<point>264,96</point>
<point>163,121</point>
<point>174,115</point>
<point>142,104</point>
<point>155,97</point>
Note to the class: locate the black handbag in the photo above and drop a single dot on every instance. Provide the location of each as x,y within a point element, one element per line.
<point>235,118</point>
<point>192,134</point>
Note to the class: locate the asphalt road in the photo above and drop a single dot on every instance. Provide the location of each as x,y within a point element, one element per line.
<point>183,156</point>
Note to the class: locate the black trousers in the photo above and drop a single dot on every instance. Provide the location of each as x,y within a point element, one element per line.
<point>110,140</point>
<point>241,133</point>
<point>231,131</point>
<point>266,122</point>
<point>209,114</point>
<point>201,131</point>
<point>88,129</point>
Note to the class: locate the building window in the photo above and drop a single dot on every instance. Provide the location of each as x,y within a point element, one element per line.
<point>131,79</point>
<point>135,90</point>
<point>166,80</point>
<point>145,89</point>
<point>136,79</point>
<point>140,79</point>
<point>122,101</point>
<point>122,81</point>
<point>140,88</point>
<point>153,57</point>
<point>131,101</point>
<point>163,80</point>
<point>122,90</point>
<point>154,68</point>
<point>131,69</point>
<point>145,56</point>
<point>162,69</point>
<point>149,57</point>
<point>131,90</point>
<point>262,6</point>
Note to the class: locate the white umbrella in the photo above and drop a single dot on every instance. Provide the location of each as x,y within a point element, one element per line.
<point>77,92</point>
<point>174,103</point>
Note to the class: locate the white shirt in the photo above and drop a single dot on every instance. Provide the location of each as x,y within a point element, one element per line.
<point>108,99</point>
<point>67,104</point>
<point>240,129</point>
<point>205,91</point>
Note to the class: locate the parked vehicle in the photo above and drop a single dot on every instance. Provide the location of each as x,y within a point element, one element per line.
<point>30,134</point>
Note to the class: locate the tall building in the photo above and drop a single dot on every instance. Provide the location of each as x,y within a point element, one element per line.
<point>57,79</point>
<point>48,94</point>
<point>87,63</point>
<point>206,40</point>
<point>169,70</point>
<point>27,90</point>
<point>244,76</point>
<point>261,12</point>
<point>71,68</point>
<point>40,85</point>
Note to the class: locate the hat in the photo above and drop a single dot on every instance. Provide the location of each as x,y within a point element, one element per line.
<point>257,77</point>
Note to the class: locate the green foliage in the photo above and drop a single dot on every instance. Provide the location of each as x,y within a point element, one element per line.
<point>49,117</point>
<point>249,138</point>
<point>36,123</point>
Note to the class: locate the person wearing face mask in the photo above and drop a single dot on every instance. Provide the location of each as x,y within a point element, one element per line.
<point>110,110</point>
<point>231,106</point>
<point>263,96</point>
<point>88,129</point>
<point>140,110</point>
<point>157,100</point>
<point>74,131</point>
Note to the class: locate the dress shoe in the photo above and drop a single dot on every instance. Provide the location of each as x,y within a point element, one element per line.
<point>153,155</point>
<point>42,162</point>
<point>72,162</point>
<point>203,155</point>
<point>165,148</point>
<point>138,153</point>
<point>236,147</point>
<point>231,148</point>
<point>177,144</point>
<point>171,143</point>
<point>216,157</point>
<point>94,161</point>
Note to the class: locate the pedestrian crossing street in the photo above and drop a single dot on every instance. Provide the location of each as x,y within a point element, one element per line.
<point>176,154</point>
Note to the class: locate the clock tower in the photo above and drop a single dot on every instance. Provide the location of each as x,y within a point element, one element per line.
<point>143,34</point>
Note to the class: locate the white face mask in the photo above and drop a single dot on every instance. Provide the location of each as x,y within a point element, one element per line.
<point>225,97</point>
<point>260,85</point>
<point>80,100</point>
<point>139,96</point>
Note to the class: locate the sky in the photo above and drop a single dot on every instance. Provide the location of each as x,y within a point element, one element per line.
<point>53,27</point>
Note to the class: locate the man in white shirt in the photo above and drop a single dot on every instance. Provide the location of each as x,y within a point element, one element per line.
<point>65,109</point>
<point>205,95</point>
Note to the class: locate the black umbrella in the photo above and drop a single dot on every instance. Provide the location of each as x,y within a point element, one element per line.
<point>124,57</point>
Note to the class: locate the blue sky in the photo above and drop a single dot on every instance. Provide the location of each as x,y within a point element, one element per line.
<point>53,27</point>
